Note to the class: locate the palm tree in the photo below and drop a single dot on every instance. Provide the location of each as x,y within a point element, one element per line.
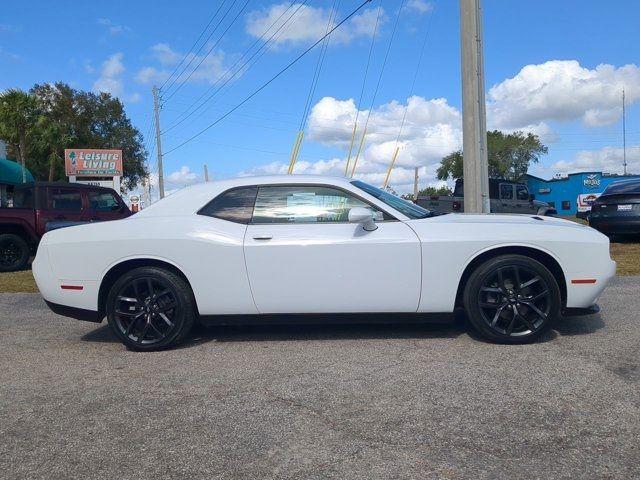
<point>18,113</point>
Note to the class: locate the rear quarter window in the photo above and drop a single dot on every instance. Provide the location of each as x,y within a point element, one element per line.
<point>235,205</point>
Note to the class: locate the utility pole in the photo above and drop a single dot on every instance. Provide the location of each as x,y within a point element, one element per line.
<point>156,111</point>
<point>624,136</point>
<point>474,117</point>
<point>415,184</point>
<point>206,173</point>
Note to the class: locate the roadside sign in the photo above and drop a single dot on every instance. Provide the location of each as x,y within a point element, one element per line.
<point>585,200</point>
<point>90,162</point>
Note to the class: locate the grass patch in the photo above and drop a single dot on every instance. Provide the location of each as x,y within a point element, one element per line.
<point>14,282</point>
<point>628,257</point>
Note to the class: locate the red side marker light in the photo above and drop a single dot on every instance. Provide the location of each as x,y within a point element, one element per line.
<point>71,287</point>
<point>583,281</point>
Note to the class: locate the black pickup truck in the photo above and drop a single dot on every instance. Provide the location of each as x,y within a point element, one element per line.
<point>505,197</point>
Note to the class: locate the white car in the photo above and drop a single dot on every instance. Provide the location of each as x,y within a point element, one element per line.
<point>235,250</point>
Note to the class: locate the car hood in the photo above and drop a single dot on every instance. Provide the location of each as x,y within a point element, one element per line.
<point>503,219</point>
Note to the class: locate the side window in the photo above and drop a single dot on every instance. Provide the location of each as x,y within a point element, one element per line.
<point>103,201</point>
<point>506,191</point>
<point>66,199</point>
<point>522,193</point>
<point>235,205</point>
<point>306,204</point>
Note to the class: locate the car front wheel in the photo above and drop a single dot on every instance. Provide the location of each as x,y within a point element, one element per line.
<point>512,299</point>
<point>150,308</point>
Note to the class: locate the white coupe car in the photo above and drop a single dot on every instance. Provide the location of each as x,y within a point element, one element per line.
<point>245,249</point>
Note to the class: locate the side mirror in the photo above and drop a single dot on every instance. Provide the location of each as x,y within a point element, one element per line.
<point>364,217</point>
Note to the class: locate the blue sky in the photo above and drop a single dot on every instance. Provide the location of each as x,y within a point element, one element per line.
<point>554,68</point>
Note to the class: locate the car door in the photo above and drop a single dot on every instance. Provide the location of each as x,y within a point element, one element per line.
<point>303,255</point>
<point>103,205</point>
<point>507,201</point>
<point>523,199</point>
<point>65,207</point>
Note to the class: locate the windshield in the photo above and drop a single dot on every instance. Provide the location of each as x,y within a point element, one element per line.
<point>407,208</point>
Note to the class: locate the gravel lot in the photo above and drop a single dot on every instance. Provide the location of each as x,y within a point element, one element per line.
<point>344,402</point>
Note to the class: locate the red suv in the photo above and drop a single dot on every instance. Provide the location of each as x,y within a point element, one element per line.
<point>32,209</point>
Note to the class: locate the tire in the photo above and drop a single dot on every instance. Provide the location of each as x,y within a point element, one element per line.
<point>502,308</point>
<point>151,308</point>
<point>14,252</point>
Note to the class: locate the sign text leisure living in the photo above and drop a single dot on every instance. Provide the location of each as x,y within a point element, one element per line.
<point>88,162</point>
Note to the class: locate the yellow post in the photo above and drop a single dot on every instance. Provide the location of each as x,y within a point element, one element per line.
<point>393,162</point>
<point>353,137</point>
<point>355,161</point>
<point>294,152</point>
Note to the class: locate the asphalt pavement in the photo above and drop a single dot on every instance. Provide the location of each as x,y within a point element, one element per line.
<point>344,402</point>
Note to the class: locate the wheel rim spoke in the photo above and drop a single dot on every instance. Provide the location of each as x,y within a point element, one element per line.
<point>497,316</point>
<point>530,282</point>
<point>518,282</point>
<point>166,319</point>
<point>533,307</point>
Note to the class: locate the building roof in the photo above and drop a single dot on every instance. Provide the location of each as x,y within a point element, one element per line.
<point>11,172</point>
<point>603,174</point>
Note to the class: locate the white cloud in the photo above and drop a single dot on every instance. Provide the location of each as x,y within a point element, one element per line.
<point>431,131</point>
<point>113,28</point>
<point>419,6</point>
<point>607,159</point>
<point>308,24</point>
<point>562,91</point>
<point>213,66</point>
<point>110,80</point>
<point>182,177</point>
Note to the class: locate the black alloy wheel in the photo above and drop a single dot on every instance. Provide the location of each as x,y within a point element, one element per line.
<point>512,299</point>
<point>150,308</point>
<point>14,253</point>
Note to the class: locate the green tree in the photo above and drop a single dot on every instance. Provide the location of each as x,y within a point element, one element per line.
<point>428,191</point>
<point>510,155</point>
<point>18,114</point>
<point>78,119</point>
<point>55,117</point>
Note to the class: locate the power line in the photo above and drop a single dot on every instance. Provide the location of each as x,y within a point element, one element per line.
<point>268,82</point>
<point>210,50</point>
<point>406,109</point>
<point>375,92</point>
<point>215,29</point>
<point>240,69</point>
<point>364,83</point>
<point>194,44</point>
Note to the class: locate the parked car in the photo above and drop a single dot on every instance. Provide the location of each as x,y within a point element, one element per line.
<point>35,208</point>
<point>617,210</point>
<point>584,202</point>
<point>231,251</point>
<point>505,197</point>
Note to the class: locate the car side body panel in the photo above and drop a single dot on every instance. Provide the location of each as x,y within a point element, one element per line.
<point>206,250</point>
<point>451,242</point>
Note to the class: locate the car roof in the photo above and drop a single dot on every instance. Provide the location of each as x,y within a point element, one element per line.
<point>622,187</point>
<point>190,199</point>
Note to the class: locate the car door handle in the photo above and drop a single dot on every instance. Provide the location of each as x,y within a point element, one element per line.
<point>263,237</point>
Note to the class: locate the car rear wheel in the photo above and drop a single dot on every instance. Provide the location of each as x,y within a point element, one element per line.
<point>150,308</point>
<point>512,299</point>
<point>14,253</point>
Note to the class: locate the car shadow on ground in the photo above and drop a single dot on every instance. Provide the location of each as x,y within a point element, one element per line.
<point>567,326</point>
